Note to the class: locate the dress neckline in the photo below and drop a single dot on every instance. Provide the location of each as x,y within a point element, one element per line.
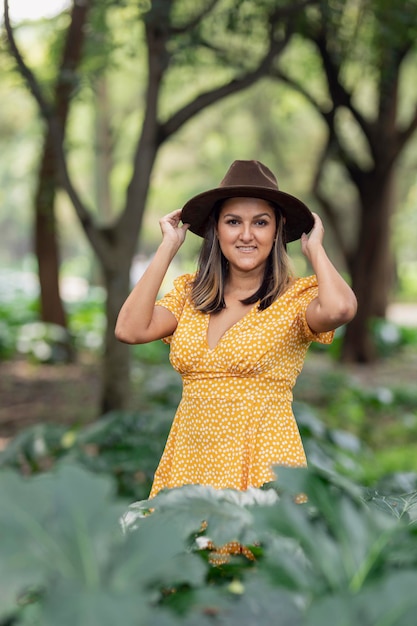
<point>228,330</point>
<point>242,319</point>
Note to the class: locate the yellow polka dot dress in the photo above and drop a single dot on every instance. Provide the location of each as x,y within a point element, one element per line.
<point>235,419</point>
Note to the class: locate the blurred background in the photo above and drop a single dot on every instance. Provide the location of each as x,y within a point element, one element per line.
<point>114,113</point>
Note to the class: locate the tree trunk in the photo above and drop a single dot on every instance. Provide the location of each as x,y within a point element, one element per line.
<point>115,384</point>
<point>372,275</point>
<point>124,234</point>
<point>45,241</point>
<point>116,357</point>
<point>45,237</point>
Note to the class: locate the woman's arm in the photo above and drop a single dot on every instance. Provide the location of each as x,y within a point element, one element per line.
<point>139,320</point>
<point>336,303</point>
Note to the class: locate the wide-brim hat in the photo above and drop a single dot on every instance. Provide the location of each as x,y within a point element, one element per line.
<point>249,179</point>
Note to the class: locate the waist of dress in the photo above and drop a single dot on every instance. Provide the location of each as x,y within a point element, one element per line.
<point>236,387</point>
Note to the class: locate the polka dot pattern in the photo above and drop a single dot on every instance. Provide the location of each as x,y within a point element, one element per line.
<point>235,419</point>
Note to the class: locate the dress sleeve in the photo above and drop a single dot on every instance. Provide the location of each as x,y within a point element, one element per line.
<point>175,299</point>
<point>307,292</point>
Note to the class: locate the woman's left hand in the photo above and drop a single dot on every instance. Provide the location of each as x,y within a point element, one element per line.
<point>314,239</point>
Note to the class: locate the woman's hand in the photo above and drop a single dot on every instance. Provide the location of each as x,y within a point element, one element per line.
<point>311,242</point>
<point>172,232</point>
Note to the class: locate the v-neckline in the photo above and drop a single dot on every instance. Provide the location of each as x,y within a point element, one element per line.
<point>228,330</point>
<point>243,318</point>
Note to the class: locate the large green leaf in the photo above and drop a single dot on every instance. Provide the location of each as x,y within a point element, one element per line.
<point>401,505</point>
<point>61,524</point>
<point>64,536</point>
<point>257,603</point>
<point>68,604</point>
<point>343,540</point>
<point>154,553</point>
<point>391,601</point>
<point>224,511</point>
<point>334,557</point>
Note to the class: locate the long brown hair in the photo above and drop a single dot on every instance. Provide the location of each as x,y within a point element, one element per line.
<point>208,287</point>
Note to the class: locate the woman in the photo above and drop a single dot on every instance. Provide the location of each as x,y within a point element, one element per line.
<point>239,328</point>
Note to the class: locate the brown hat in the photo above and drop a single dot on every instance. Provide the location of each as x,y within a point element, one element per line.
<point>250,179</point>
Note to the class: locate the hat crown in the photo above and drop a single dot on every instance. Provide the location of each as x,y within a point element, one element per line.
<point>249,174</point>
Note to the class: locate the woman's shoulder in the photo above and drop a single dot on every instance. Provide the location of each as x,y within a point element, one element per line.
<point>304,282</point>
<point>298,289</point>
<point>176,298</point>
<point>184,282</point>
<point>298,285</point>
<point>303,291</point>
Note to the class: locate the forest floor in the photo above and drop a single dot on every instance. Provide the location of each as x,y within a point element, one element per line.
<point>34,393</point>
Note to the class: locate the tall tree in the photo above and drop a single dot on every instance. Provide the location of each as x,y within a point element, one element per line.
<point>363,47</point>
<point>45,238</point>
<point>238,39</point>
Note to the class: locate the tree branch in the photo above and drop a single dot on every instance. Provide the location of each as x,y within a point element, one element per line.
<point>207,98</point>
<point>328,116</point>
<point>279,13</point>
<point>328,206</point>
<point>340,96</point>
<point>45,107</point>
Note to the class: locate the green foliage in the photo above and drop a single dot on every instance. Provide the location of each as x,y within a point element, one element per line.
<point>126,446</point>
<point>154,353</point>
<point>391,459</point>
<point>372,413</point>
<point>382,417</point>
<point>18,306</point>
<point>86,320</point>
<point>21,332</point>
<point>332,449</point>
<point>339,559</point>
<point>387,336</point>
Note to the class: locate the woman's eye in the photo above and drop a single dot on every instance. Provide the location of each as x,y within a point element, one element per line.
<point>262,223</point>
<point>232,222</point>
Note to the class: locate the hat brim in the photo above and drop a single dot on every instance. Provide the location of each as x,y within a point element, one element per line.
<point>298,217</point>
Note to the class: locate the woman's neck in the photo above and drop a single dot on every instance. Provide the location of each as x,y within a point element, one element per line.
<point>244,283</point>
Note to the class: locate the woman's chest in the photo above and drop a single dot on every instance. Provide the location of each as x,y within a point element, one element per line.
<point>252,342</point>
<point>222,322</point>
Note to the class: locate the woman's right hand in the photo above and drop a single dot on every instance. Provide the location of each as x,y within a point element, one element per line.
<point>171,230</point>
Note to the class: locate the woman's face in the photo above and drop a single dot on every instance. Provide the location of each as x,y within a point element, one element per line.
<point>246,231</point>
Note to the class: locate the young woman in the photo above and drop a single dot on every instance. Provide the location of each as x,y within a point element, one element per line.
<point>239,328</point>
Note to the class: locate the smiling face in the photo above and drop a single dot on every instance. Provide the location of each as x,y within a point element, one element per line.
<point>246,230</point>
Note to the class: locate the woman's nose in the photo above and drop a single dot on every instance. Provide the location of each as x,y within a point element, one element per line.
<point>246,232</point>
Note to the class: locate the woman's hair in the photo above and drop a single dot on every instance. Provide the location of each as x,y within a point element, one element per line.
<point>208,287</point>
